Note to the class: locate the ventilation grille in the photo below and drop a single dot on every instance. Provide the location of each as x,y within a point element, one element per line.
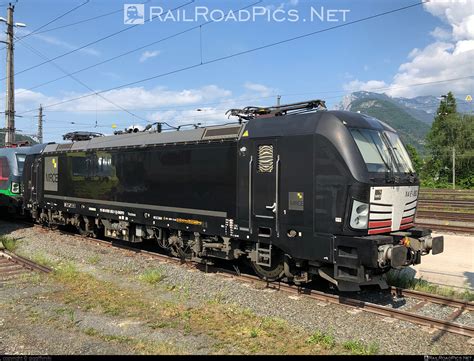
<point>222,132</point>
<point>265,158</point>
<point>65,146</point>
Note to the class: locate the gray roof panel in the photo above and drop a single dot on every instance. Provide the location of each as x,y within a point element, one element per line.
<point>148,138</point>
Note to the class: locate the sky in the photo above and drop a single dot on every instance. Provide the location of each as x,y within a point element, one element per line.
<point>179,53</point>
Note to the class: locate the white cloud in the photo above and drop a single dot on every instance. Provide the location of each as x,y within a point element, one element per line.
<point>261,89</point>
<point>63,44</point>
<point>148,55</point>
<point>441,34</point>
<point>283,5</point>
<point>129,98</point>
<point>176,107</point>
<point>205,116</point>
<point>450,56</point>
<point>457,14</point>
<point>371,85</point>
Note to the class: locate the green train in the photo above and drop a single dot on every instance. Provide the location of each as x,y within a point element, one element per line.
<point>12,161</point>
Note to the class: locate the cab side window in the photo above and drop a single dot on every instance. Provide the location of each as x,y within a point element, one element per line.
<point>4,172</point>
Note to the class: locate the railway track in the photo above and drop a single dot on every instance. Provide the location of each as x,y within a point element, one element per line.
<point>437,208</point>
<point>446,216</point>
<point>412,314</point>
<point>446,227</point>
<point>13,266</point>
<point>424,203</point>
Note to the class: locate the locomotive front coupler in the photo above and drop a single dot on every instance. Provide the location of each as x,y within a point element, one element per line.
<point>420,242</point>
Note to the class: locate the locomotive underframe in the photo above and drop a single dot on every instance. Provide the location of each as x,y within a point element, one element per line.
<point>357,260</point>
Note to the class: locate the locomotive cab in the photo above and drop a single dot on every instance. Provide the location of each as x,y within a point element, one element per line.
<point>335,190</point>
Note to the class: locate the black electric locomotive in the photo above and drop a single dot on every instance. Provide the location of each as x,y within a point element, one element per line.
<point>296,189</point>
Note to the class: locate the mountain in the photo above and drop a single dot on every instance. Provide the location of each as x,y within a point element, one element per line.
<point>18,138</point>
<point>411,117</point>
<point>422,107</point>
<point>403,118</point>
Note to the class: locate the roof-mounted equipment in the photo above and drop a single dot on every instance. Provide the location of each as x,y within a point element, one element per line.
<point>252,112</point>
<point>78,136</point>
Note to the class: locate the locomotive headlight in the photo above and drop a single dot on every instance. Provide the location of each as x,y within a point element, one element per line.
<point>359,215</point>
<point>15,187</point>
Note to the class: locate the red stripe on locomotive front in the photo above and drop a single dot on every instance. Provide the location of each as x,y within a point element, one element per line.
<point>379,230</point>
<point>407,220</point>
<point>406,226</point>
<point>378,224</point>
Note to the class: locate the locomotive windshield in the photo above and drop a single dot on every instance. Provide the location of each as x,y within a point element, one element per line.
<point>382,151</point>
<point>20,158</point>
<point>401,156</point>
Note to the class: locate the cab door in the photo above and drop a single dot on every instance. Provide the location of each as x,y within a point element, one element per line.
<point>265,188</point>
<point>34,179</point>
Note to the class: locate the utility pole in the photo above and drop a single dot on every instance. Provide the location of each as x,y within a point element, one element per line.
<point>10,101</point>
<point>454,167</point>
<point>40,125</point>
<point>10,96</point>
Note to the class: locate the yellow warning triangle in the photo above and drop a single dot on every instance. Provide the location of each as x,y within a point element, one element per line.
<point>469,98</point>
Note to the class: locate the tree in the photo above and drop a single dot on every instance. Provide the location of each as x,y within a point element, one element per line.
<point>450,130</point>
<point>415,158</point>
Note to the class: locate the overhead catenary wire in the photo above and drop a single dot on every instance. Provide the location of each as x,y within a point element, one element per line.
<point>243,52</point>
<point>314,92</point>
<point>37,52</point>
<point>85,20</point>
<point>202,117</point>
<point>35,31</point>
<point>92,42</point>
<point>52,21</point>
<point>133,51</point>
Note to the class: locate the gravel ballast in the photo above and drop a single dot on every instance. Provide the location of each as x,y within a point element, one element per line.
<point>193,288</point>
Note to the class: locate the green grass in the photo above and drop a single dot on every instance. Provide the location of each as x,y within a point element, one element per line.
<point>93,259</point>
<point>66,271</point>
<point>140,346</point>
<point>42,259</point>
<point>9,243</point>
<point>151,276</point>
<point>232,328</point>
<point>91,331</point>
<point>360,348</point>
<point>396,279</point>
<point>324,339</point>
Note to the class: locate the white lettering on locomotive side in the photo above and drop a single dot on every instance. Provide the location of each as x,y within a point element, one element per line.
<point>111,211</point>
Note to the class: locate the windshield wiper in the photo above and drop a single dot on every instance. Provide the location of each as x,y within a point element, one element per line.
<point>387,166</point>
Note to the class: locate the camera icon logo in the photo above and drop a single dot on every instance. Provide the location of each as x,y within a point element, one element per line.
<point>133,14</point>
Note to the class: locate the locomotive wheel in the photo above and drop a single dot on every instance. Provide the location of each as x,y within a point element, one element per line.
<point>87,233</point>
<point>273,272</point>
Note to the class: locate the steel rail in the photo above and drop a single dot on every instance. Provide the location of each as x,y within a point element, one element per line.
<point>423,202</point>
<point>446,227</point>
<point>446,215</point>
<point>26,263</point>
<point>432,298</point>
<point>443,325</point>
